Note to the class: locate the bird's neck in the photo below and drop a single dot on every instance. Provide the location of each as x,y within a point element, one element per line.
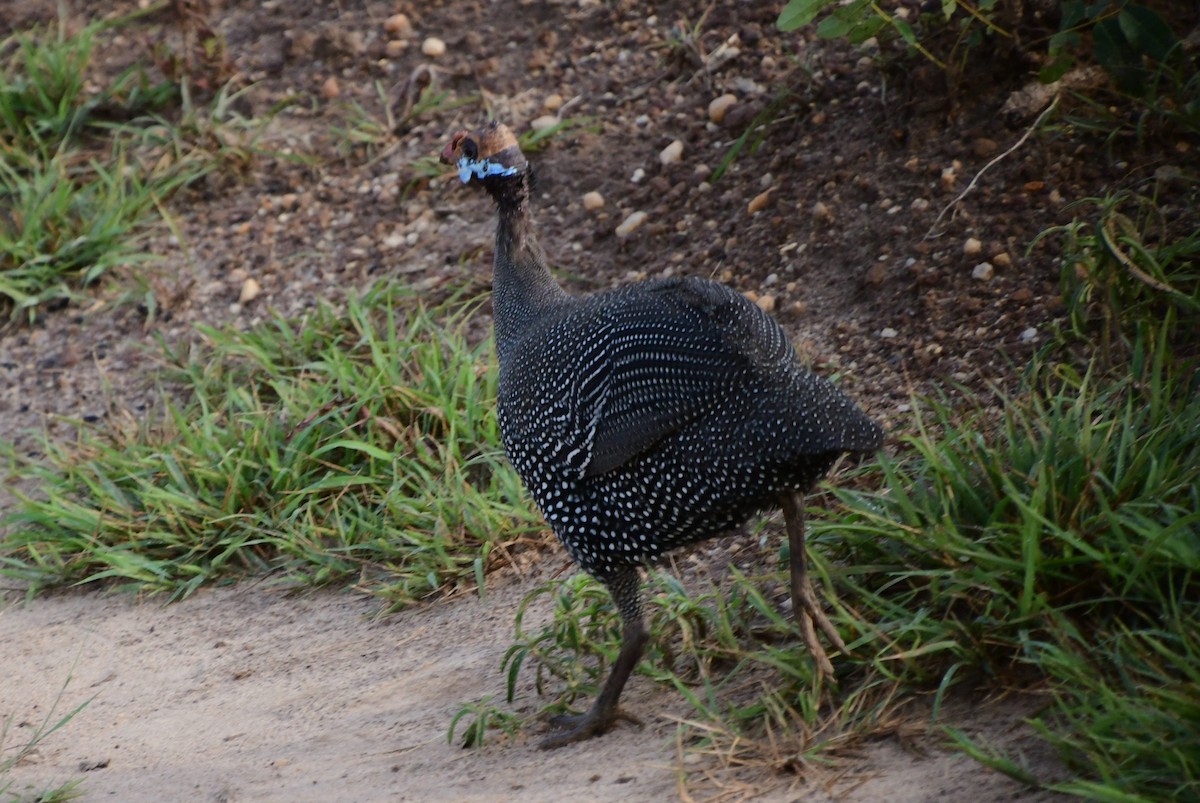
<point>522,287</point>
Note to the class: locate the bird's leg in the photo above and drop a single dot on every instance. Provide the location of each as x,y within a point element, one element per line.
<point>604,712</point>
<point>805,606</point>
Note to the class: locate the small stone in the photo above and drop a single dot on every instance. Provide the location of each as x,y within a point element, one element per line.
<point>330,89</point>
<point>797,307</point>
<point>553,103</point>
<point>398,25</point>
<point>395,48</point>
<point>759,202</point>
<point>888,333</point>
<point>983,272</point>
<point>919,204</point>
<point>250,291</point>
<point>719,106</point>
<point>949,179</point>
<point>630,223</point>
<point>637,176</point>
<point>672,153</point>
<point>766,302</point>
<point>876,274</point>
<point>984,147</point>
<point>1002,260</point>
<point>1022,295</point>
<point>593,201</point>
<point>972,247</point>
<point>433,47</point>
<point>543,122</point>
<point>819,118</point>
<point>1028,335</point>
<point>822,212</point>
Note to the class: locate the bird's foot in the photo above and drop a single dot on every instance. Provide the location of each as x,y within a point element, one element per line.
<point>808,613</point>
<point>578,727</point>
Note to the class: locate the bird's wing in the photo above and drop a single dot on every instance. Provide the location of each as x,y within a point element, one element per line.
<point>669,357</point>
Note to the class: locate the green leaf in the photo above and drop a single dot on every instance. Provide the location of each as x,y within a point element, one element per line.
<point>798,13</point>
<point>1116,56</point>
<point>948,8</point>
<point>1146,32</point>
<point>1056,69</point>
<point>842,21</point>
<point>905,30</point>
<point>1072,14</point>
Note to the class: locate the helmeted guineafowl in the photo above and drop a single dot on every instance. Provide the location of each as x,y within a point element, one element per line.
<point>648,417</point>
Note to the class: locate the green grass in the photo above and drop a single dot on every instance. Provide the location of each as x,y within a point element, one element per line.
<point>85,171</point>
<point>355,447</point>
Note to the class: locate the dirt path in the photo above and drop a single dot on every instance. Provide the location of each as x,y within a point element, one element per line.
<point>247,694</point>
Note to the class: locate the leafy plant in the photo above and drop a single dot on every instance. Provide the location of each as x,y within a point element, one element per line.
<point>1128,39</point>
<point>1125,276</point>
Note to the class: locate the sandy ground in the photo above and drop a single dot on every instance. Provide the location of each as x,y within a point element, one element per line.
<point>246,693</point>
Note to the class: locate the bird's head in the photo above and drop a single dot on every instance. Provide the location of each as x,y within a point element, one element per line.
<point>490,153</point>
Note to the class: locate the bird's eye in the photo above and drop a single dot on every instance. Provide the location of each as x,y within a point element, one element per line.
<point>470,149</point>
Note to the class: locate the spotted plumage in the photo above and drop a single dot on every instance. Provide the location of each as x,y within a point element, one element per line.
<point>648,417</point>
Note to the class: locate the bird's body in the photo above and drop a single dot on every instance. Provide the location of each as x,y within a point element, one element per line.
<point>660,414</point>
<point>648,417</point>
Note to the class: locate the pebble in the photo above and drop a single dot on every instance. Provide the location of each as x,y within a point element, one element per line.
<point>672,153</point>
<point>433,47</point>
<point>983,272</point>
<point>888,333</point>
<point>637,176</point>
<point>949,178</point>
<point>759,202</point>
<point>984,147</point>
<point>630,223</point>
<point>398,25</point>
<point>822,212</point>
<point>1028,335</point>
<point>593,201</point>
<point>919,204</point>
<point>766,302</point>
<point>1002,260</point>
<point>543,122</point>
<point>250,291</point>
<point>717,107</point>
<point>330,89</point>
<point>553,103</point>
<point>972,247</point>
<point>395,48</point>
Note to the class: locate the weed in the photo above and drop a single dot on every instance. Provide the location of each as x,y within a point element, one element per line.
<point>483,716</point>
<point>12,755</point>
